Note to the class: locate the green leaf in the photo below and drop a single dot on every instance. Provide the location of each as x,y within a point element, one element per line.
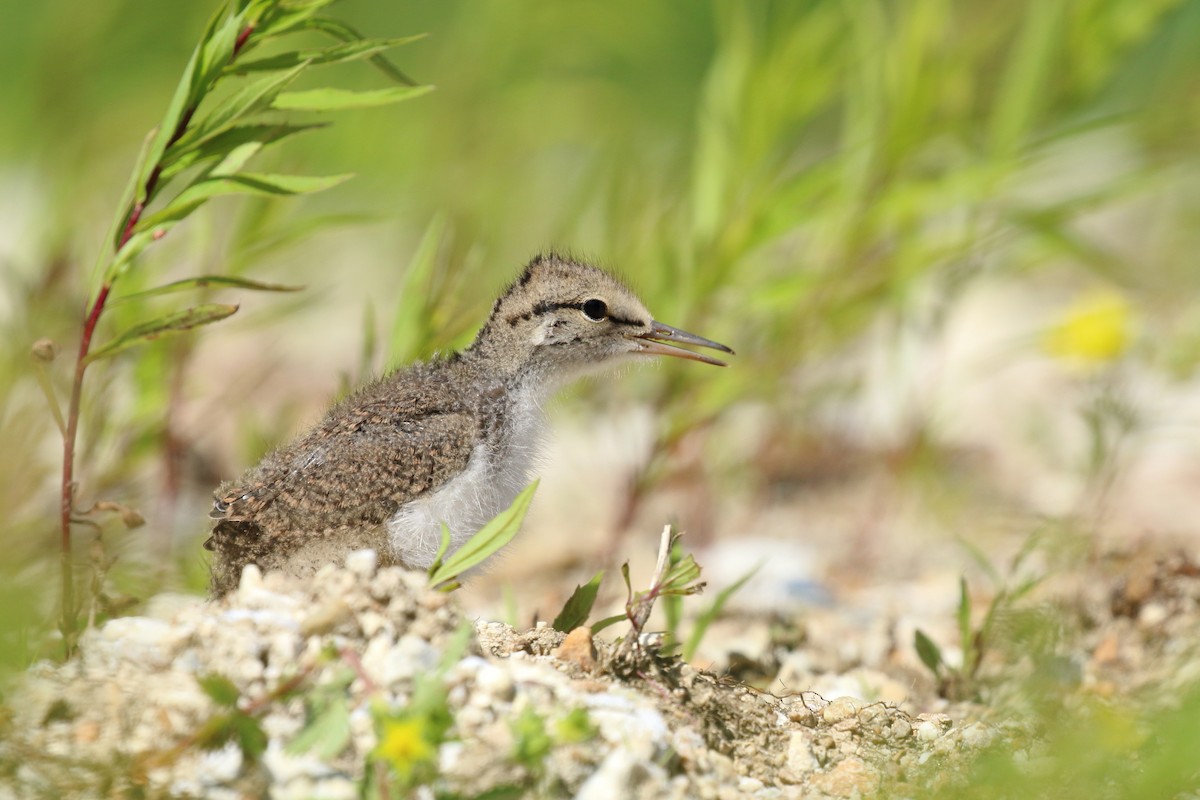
<point>251,99</point>
<point>181,157</point>
<point>330,99</point>
<point>171,323</point>
<point>412,325</point>
<point>531,743</point>
<point>964,619</point>
<point>220,689</point>
<point>288,17</point>
<point>607,621</point>
<point>132,249</point>
<point>579,605</point>
<point>216,51</point>
<point>488,540</point>
<point>327,733</point>
<point>348,51</point>
<point>443,546</point>
<point>204,281</point>
<point>250,735</point>
<point>162,137</point>
<point>681,578</point>
<point>339,30</point>
<point>710,614</point>
<point>929,653</point>
<point>203,190</point>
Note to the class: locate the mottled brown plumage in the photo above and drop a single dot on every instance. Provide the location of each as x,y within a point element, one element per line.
<point>449,440</point>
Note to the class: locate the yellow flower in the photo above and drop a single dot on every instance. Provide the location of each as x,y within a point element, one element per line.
<point>405,746</point>
<point>1095,329</point>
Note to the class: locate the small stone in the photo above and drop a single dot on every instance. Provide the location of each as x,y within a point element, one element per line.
<point>325,617</point>
<point>851,777</point>
<point>901,728</point>
<point>1152,615</point>
<point>800,758</point>
<point>578,648</point>
<point>495,682</point>
<point>1107,651</point>
<point>842,708</point>
<point>362,563</point>
<point>87,731</point>
<point>977,735</point>
<point>928,730</point>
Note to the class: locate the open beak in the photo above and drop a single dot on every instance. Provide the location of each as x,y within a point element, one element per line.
<point>661,340</point>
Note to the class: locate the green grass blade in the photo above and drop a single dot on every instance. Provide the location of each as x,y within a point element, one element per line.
<point>579,605</point>
<point>488,540</point>
<point>710,614</point>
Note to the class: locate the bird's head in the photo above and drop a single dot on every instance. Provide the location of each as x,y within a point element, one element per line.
<point>562,317</point>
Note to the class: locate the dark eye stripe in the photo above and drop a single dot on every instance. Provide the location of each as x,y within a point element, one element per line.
<point>547,308</point>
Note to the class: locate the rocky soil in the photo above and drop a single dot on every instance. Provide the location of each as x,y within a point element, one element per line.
<point>140,709</point>
<point>293,689</point>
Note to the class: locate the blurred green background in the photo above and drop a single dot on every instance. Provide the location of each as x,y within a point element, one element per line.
<point>826,186</point>
<point>954,244</point>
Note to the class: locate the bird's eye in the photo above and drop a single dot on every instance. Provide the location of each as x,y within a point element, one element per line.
<point>595,310</point>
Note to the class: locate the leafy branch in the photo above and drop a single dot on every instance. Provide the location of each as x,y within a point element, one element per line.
<point>199,151</point>
<point>672,578</point>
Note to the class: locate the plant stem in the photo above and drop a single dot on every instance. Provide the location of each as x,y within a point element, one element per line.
<point>67,497</point>
<point>67,623</point>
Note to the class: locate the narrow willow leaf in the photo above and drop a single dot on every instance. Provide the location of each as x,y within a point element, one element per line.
<point>204,281</point>
<point>348,51</point>
<point>256,97</point>
<point>339,30</point>
<point>233,161</point>
<point>245,183</point>
<point>488,540</point>
<point>171,323</point>
<point>929,653</point>
<point>289,17</point>
<point>216,51</point>
<point>162,137</point>
<point>177,158</point>
<point>335,99</point>
<point>579,605</point>
<point>132,249</point>
<point>710,614</point>
<point>133,189</point>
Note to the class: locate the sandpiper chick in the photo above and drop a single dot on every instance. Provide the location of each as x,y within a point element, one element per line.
<point>451,440</point>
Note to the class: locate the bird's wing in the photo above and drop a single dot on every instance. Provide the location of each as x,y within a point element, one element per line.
<point>356,468</point>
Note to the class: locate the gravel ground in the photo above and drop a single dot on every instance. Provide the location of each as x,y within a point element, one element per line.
<point>535,712</point>
<point>131,712</point>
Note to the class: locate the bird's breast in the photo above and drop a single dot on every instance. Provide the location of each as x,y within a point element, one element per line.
<point>499,468</point>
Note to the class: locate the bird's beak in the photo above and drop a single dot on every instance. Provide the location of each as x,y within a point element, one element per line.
<point>652,344</point>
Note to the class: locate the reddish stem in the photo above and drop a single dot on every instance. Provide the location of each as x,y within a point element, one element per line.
<point>67,497</point>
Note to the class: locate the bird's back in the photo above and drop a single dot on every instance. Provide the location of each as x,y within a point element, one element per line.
<point>392,442</point>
